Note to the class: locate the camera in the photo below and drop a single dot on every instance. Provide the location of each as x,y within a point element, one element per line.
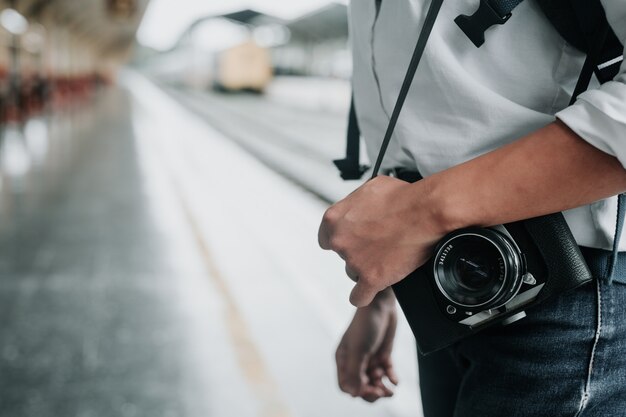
<point>480,277</point>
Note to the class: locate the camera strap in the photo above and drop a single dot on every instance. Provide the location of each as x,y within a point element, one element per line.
<point>422,40</point>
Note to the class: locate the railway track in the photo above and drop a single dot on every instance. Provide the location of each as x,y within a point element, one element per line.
<point>298,144</point>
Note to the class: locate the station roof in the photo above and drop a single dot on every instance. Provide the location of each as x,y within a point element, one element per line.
<point>247,17</point>
<point>242,16</point>
<point>328,22</point>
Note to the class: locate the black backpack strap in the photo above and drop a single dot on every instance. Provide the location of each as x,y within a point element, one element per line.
<point>604,50</point>
<point>590,67</point>
<point>350,168</point>
<point>581,23</point>
<point>604,54</point>
<point>602,44</point>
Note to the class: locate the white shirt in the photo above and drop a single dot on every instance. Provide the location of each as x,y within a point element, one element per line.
<point>466,101</point>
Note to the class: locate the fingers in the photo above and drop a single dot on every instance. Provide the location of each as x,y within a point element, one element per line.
<point>376,376</point>
<point>323,237</point>
<point>390,372</point>
<point>375,387</point>
<point>362,294</point>
<point>372,394</point>
<point>329,221</point>
<point>351,273</point>
<point>354,378</point>
<point>385,350</point>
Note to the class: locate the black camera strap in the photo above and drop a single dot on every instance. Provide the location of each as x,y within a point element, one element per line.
<point>350,167</point>
<point>422,40</point>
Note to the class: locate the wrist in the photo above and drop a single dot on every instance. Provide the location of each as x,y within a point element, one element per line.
<point>433,210</point>
<point>385,300</point>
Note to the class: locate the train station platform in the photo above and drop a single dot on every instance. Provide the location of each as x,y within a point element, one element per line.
<point>154,264</point>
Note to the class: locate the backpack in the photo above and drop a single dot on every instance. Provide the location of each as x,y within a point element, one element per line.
<point>582,23</point>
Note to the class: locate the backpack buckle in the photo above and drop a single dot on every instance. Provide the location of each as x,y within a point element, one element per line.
<point>474,26</point>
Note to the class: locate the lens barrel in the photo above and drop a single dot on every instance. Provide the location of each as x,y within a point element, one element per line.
<point>478,268</point>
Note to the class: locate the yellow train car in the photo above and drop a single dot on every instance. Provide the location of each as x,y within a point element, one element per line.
<point>246,66</point>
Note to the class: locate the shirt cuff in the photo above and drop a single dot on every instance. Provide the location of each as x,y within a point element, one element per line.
<point>599,117</point>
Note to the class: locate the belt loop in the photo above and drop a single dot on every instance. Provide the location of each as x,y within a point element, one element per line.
<point>619,226</point>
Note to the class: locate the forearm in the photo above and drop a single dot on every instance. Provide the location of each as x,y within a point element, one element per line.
<point>547,171</point>
<point>387,228</point>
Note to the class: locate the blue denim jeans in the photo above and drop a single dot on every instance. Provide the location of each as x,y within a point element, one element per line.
<point>566,358</point>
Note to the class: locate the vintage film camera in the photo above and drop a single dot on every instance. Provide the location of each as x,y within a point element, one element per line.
<point>480,277</point>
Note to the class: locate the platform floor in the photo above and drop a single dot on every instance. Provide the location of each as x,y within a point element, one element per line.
<point>151,267</point>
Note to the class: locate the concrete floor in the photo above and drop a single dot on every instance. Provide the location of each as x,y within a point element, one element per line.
<point>150,267</point>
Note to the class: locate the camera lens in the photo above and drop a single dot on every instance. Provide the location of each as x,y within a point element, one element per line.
<point>477,268</point>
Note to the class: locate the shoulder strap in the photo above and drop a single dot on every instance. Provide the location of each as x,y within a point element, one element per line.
<point>583,24</point>
<point>349,167</point>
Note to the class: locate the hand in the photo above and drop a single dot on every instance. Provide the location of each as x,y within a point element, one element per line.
<point>384,230</point>
<point>364,354</point>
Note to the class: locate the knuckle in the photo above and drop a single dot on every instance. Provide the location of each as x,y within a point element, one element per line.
<point>355,268</point>
<point>337,243</point>
<point>339,354</point>
<point>367,279</point>
<point>351,273</point>
<point>331,215</point>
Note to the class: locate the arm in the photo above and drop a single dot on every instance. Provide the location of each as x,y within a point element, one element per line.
<point>387,228</point>
<point>363,357</point>
<point>548,171</point>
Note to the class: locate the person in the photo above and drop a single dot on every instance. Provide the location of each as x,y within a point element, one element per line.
<point>492,132</point>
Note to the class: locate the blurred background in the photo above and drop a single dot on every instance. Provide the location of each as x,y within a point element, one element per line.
<point>164,166</point>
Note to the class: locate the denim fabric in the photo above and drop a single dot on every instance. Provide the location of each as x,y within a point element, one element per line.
<point>599,262</point>
<point>566,358</point>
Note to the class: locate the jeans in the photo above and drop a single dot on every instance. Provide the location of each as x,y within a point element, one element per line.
<point>566,358</point>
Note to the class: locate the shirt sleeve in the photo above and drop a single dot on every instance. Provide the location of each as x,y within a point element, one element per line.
<point>599,115</point>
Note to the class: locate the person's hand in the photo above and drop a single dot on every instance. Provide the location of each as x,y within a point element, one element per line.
<point>364,354</point>
<point>384,231</point>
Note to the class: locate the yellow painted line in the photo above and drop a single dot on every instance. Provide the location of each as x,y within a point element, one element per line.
<point>248,356</point>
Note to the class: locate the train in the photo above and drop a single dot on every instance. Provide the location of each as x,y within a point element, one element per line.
<point>246,66</point>
<point>241,64</point>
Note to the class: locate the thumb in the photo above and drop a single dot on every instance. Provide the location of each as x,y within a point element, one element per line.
<point>354,377</point>
<point>362,294</point>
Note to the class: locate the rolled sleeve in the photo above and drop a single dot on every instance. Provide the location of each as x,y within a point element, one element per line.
<point>599,115</point>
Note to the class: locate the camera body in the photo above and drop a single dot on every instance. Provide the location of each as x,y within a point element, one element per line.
<point>480,277</point>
